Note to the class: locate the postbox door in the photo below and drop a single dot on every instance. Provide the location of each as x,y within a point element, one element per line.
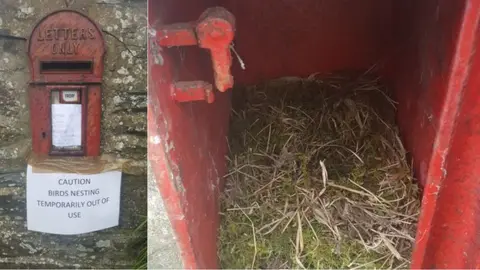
<point>66,119</point>
<point>186,142</point>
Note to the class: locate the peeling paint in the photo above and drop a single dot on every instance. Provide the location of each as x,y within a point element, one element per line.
<point>155,139</point>
<point>156,51</point>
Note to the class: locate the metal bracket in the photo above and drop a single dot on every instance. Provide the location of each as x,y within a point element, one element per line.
<point>213,31</point>
<point>192,91</point>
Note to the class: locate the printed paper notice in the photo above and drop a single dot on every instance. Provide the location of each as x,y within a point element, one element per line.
<point>66,203</point>
<point>67,125</point>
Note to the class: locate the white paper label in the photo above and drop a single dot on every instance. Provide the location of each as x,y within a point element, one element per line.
<point>67,125</point>
<point>70,96</point>
<point>66,203</point>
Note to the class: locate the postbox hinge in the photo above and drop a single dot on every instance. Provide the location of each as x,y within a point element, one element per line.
<point>192,91</point>
<point>214,31</point>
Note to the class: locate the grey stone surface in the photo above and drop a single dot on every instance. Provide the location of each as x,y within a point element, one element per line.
<point>123,134</point>
<point>163,251</point>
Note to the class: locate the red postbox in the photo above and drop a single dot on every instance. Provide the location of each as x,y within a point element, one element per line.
<point>66,51</point>
<point>426,51</point>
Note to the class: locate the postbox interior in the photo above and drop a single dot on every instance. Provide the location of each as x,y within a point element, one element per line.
<point>409,43</point>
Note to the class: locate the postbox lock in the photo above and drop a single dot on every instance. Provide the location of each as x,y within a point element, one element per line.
<point>66,51</point>
<point>213,31</point>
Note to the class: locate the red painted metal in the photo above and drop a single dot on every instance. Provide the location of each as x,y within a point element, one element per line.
<point>423,49</point>
<point>66,51</point>
<point>192,90</point>
<point>298,38</point>
<point>436,83</point>
<point>213,31</point>
<point>178,34</point>
<point>184,151</point>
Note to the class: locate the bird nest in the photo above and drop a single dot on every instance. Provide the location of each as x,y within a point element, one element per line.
<point>318,178</point>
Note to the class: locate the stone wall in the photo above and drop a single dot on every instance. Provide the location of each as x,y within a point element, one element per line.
<point>123,133</point>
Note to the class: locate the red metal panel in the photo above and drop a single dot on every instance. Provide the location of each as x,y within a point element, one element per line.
<point>279,38</point>
<point>187,142</point>
<point>94,118</point>
<point>431,73</point>
<point>287,38</point>
<point>421,77</point>
<point>447,228</point>
<point>454,233</point>
<point>39,127</point>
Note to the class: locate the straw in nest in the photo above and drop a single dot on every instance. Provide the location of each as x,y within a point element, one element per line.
<point>318,178</point>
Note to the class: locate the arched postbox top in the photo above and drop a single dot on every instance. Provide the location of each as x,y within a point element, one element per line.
<point>66,46</point>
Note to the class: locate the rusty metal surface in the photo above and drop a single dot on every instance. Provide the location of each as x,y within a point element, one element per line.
<point>68,39</point>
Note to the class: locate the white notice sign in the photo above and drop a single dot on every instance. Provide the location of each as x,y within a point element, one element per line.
<point>67,125</point>
<point>66,203</point>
